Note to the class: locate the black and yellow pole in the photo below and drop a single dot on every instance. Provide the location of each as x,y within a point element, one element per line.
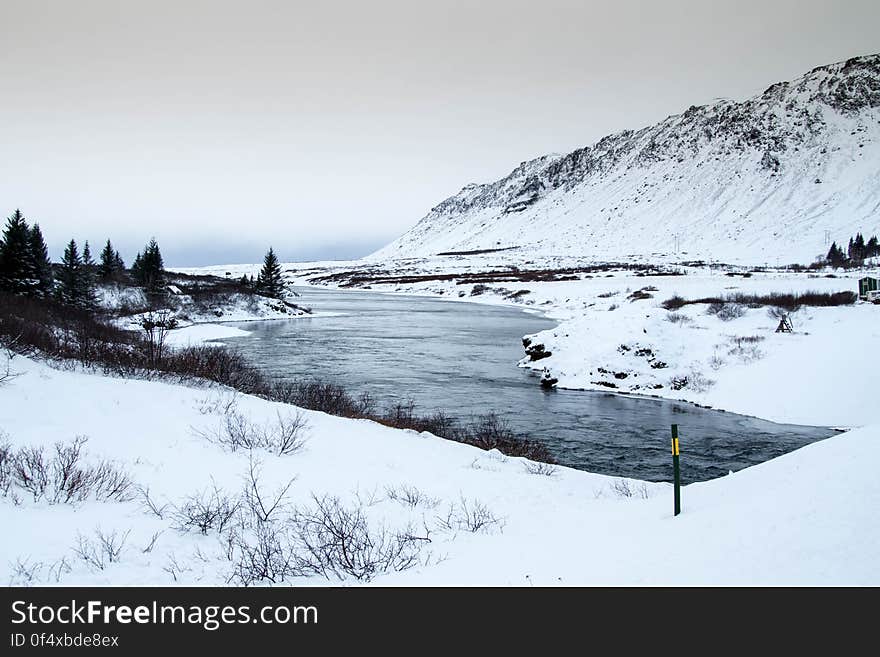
<point>676,470</point>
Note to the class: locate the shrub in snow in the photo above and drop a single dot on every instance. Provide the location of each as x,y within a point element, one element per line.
<point>102,550</point>
<point>411,496</point>
<point>627,488</point>
<point>283,436</point>
<point>335,540</point>
<point>62,477</point>
<point>678,318</point>
<point>206,511</point>
<point>472,516</point>
<point>694,381</point>
<point>745,348</point>
<point>726,311</point>
<point>544,469</point>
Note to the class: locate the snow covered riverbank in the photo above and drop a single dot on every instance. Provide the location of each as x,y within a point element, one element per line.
<point>614,334</point>
<point>474,517</point>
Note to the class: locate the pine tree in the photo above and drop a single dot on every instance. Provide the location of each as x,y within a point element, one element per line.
<point>16,274</point>
<point>148,269</point>
<point>70,284</point>
<point>119,262</point>
<point>835,257</point>
<point>859,248</point>
<point>270,282</point>
<point>137,268</point>
<point>41,266</point>
<point>872,248</point>
<point>87,256</point>
<point>89,269</point>
<point>108,267</point>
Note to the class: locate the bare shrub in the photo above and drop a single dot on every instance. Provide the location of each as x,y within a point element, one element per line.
<point>155,326</point>
<point>335,540</point>
<point>263,507</point>
<point>608,295</point>
<point>472,516</point>
<point>726,311</point>
<point>102,550</point>
<point>174,568</point>
<point>263,554</point>
<point>63,479</point>
<point>28,573</point>
<point>613,306</point>
<point>787,301</point>
<point>411,496</point>
<point>694,380</point>
<point>149,504</point>
<point>479,289</point>
<point>6,461</point>
<point>625,488</point>
<point>283,436</point>
<point>151,543</point>
<point>31,471</point>
<point>491,432</point>
<point>6,373</point>
<point>679,318</point>
<point>25,572</point>
<point>220,403</point>
<point>543,469</point>
<point>208,510</point>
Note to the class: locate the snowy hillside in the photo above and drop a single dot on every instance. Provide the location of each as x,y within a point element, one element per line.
<point>757,181</point>
<point>179,511</point>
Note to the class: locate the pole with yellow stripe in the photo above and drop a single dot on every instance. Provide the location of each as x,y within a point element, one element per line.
<point>676,470</point>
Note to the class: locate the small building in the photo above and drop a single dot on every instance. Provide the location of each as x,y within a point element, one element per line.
<point>866,285</point>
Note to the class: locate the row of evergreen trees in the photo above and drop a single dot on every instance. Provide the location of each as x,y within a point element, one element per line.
<point>25,267</point>
<point>856,253</point>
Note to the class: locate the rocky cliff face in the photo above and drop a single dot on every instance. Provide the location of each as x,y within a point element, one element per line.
<point>760,180</point>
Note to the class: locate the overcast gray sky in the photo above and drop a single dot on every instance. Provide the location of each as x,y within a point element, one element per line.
<point>328,128</point>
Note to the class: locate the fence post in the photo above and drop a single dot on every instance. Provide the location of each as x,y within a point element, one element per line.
<point>676,470</point>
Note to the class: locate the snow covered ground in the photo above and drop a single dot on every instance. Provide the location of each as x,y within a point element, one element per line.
<point>804,518</point>
<point>444,513</point>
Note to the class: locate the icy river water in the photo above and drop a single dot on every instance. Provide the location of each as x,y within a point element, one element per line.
<point>460,358</point>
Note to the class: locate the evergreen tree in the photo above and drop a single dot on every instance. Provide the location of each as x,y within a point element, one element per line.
<point>859,248</point>
<point>16,273</point>
<point>150,268</point>
<point>108,267</point>
<point>835,257</point>
<point>70,278</point>
<point>75,282</point>
<point>87,259</point>
<point>872,248</point>
<point>89,268</point>
<point>270,282</point>
<point>41,266</point>
<point>137,268</point>
<point>119,262</point>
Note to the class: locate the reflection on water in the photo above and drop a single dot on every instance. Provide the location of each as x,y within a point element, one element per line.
<point>460,358</point>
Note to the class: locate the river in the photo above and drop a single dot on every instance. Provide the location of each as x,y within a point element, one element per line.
<point>460,358</point>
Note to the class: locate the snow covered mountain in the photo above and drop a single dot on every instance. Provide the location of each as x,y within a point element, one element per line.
<point>757,181</point>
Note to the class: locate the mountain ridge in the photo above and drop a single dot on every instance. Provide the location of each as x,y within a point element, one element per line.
<point>772,176</point>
